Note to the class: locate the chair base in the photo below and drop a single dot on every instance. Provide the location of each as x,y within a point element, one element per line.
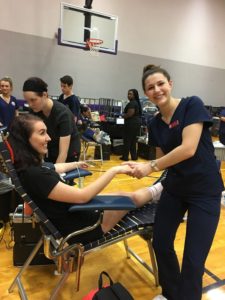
<point>86,145</point>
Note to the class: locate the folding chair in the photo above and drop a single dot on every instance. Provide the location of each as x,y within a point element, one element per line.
<point>87,143</point>
<point>69,257</point>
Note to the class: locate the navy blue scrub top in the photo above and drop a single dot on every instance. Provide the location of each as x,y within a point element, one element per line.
<point>198,175</point>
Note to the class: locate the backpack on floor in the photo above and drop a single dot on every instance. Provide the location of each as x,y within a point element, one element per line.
<point>114,291</point>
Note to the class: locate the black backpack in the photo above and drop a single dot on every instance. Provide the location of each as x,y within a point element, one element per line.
<point>115,291</point>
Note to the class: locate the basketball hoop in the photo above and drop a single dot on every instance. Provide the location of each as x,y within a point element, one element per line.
<point>93,45</point>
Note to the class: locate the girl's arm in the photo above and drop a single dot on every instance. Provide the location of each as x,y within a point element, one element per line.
<point>66,167</point>
<point>65,193</point>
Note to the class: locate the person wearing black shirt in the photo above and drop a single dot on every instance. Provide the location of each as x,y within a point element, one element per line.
<point>65,141</point>
<point>29,140</point>
<point>132,115</point>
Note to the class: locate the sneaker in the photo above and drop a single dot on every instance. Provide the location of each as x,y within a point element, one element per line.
<point>159,297</point>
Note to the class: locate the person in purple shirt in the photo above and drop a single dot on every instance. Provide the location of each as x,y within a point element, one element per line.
<point>8,103</point>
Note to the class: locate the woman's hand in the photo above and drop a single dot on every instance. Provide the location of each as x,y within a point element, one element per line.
<point>139,170</point>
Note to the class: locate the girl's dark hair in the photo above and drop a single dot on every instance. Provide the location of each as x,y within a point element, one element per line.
<point>35,84</point>
<point>152,69</point>
<point>20,131</point>
<point>136,97</point>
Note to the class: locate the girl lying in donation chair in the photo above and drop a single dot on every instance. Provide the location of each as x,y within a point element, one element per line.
<point>63,211</point>
<point>29,140</point>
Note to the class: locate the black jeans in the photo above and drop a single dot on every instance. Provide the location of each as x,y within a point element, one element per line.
<point>130,140</point>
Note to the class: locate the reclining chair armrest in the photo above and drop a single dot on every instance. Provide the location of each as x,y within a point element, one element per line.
<point>71,175</point>
<point>76,173</point>
<point>105,202</point>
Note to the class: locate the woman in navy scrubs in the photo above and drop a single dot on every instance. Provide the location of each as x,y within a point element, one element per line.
<point>180,133</point>
<point>8,103</point>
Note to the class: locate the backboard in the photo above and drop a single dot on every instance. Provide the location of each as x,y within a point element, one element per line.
<point>78,24</point>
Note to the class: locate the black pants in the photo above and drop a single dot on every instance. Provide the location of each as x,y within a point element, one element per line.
<point>203,217</point>
<point>130,141</point>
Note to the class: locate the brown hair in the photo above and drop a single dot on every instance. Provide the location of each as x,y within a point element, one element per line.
<point>20,132</point>
<point>152,69</point>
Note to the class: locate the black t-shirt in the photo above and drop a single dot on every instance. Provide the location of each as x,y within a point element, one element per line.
<point>60,123</point>
<point>38,182</point>
<point>134,119</point>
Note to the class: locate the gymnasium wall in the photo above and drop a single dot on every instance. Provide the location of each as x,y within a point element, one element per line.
<point>186,37</point>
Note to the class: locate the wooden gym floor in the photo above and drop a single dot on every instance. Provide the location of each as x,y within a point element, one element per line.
<point>39,280</point>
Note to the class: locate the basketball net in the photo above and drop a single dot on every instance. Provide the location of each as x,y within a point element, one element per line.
<point>94,46</point>
<point>94,42</point>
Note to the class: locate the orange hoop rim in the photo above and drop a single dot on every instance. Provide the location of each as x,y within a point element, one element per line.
<point>92,42</point>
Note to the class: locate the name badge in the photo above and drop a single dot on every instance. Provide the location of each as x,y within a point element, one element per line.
<point>174,124</point>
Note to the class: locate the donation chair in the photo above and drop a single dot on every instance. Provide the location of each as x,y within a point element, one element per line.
<point>69,257</point>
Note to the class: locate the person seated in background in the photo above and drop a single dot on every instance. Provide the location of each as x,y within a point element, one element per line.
<point>85,114</point>
<point>68,98</point>
<point>64,145</point>
<point>222,127</point>
<point>88,132</point>
<point>29,140</point>
<point>8,103</point>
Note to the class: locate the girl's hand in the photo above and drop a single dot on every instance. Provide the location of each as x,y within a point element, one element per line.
<point>132,164</point>
<point>123,169</point>
<point>82,164</point>
<point>141,170</point>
